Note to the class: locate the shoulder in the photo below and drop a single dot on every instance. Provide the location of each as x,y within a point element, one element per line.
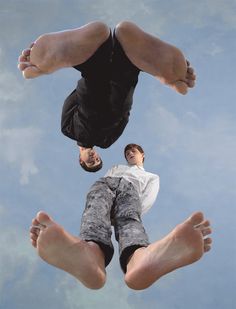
<point>153,176</point>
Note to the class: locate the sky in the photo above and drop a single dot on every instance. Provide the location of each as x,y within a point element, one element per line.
<point>189,141</point>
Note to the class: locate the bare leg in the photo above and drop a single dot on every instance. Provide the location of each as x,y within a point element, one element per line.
<point>158,58</point>
<point>53,51</point>
<point>83,260</point>
<point>184,245</point>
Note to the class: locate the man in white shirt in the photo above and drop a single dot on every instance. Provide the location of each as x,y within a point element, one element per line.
<point>119,199</point>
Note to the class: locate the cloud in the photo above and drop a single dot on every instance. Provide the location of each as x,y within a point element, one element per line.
<point>21,273</point>
<point>147,14</point>
<point>18,148</point>
<point>18,144</point>
<point>214,49</point>
<point>15,255</point>
<point>198,154</point>
<point>114,294</point>
<point>219,13</point>
<point>213,140</point>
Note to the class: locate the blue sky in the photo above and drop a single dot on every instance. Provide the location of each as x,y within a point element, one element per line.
<point>189,141</point>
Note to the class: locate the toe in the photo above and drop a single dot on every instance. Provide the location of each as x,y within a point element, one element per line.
<point>196,218</point>
<point>207,244</point>
<point>34,243</point>
<point>206,223</point>
<point>190,76</point>
<point>23,65</point>
<point>207,248</point>
<point>35,229</point>
<point>44,218</point>
<point>190,70</point>
<point>207,241</point>
<point>29,70</point>
<point>206,231</point>
<point>22,58</point>
<point>26,52</point>
<point>35,221</point>
<point>180,86</point>
<point>191,83</point>
<point>33,236</point>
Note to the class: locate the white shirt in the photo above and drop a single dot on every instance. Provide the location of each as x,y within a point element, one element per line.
<point>146,184</point>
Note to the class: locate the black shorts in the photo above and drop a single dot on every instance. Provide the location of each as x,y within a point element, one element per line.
<point>97,111</point>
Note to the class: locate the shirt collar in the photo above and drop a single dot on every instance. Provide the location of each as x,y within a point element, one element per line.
<point>136,166</point>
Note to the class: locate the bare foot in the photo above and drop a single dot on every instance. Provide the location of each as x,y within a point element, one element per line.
<point>83,260</point>
<point>57,50</point>
<point>183,246</point>
<point>156,57</point>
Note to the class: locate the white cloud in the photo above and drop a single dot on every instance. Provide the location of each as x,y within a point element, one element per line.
<point>114,293</point>
<point>11,90</point>
<point>18,148</point>
<point>206,12</point>
<point>214,49</point>
<point>18,144</point>
<point>143,12</point>
<point>213,140</point>
<point>154,15</point>
<point>16,254</point>
<point>224,10</point>
<point>199,155</point>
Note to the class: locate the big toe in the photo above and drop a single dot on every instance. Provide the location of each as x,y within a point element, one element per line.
<point>196,218</point>
<point>29,70</point>
<point>180,86</point>
<point>44,219</point>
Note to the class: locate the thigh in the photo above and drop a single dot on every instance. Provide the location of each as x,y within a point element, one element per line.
<point>96,220</point>
<point>129,230</point>
<point>122,68</point>
<point>97,67</point>
<point>124,78</point>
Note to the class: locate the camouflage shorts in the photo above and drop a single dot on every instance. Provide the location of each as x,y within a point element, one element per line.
<point>114,201</point>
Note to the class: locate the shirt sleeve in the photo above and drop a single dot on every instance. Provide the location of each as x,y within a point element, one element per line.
<point>150,193</point>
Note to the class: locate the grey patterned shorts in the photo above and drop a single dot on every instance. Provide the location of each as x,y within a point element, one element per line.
<point>114,201</point>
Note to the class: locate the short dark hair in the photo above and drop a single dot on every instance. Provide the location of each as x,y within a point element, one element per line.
<point>131,146</point>
<point>92,168</point>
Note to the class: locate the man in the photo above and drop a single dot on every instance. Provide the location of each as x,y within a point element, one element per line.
<point>97,111</point>
<point>119,199</point>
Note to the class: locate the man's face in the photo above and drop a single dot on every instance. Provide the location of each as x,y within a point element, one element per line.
<point>89,156</point>
<point>134,156</point>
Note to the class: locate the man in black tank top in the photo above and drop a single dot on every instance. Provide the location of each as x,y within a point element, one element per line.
<point>97,111</point>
